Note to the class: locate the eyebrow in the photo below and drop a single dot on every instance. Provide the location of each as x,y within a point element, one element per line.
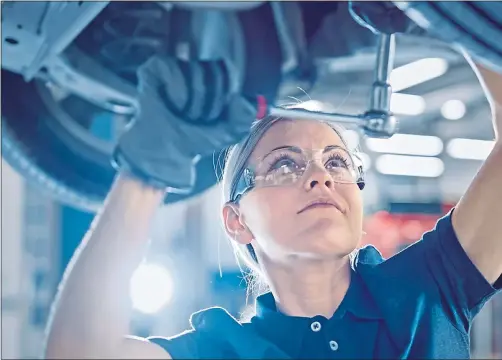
<point>298,150</point>
<point>295,149</point>
<point>289,147</point>
<point>332,147</point>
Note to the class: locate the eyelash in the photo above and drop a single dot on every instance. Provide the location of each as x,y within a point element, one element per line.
<point>340,158</point>
<point>277,159</point>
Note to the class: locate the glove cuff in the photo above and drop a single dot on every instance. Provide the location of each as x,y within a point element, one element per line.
<point>121,163</point>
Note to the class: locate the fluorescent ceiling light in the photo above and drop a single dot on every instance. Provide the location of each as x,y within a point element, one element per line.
<point>453,110</point>
<point>469,149</point>
<point>407,144</point>
<point>404,104</point>
<point>417,72</point>
<point>402,165</point>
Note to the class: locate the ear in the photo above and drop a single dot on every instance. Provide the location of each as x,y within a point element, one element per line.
<point>234,224</point>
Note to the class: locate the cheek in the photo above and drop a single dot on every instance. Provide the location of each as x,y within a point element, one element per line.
<point>268,211</point>
<point>354,200</point>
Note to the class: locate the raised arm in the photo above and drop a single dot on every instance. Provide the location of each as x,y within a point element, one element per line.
<point>159,151</point>
<point>91,314</point>
<point>477,218</point>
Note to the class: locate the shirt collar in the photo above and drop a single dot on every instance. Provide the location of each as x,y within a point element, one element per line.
<point>287,331</point>
<point>358,301</point>
<point>284,331</point>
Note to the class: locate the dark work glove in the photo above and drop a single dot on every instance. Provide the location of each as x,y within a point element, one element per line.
<point>380,17</point>
<point>187,110</point>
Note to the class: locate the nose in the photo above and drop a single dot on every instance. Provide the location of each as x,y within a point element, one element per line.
<point>318,176</point>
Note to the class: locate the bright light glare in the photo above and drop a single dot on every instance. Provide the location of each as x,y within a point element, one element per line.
<point>405,104</point>
<point>151,288</point>
<point>417,72</point>
<point>409,165</point>
<point>312,105</point>
<point>453,110</point>
<point>408,144</point>
<point>469,149</point>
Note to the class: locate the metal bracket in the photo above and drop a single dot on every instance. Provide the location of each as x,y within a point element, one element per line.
<point>378,121</point>
<point>34,32</point>
<point>57,24</point>
<point>79,74</point>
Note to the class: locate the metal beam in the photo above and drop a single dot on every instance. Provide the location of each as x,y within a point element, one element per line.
<point>36,31</point>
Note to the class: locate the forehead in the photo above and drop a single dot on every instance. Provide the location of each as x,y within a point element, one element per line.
<point>306,134</point>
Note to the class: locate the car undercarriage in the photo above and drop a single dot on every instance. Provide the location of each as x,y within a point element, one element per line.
<point>69,70</point>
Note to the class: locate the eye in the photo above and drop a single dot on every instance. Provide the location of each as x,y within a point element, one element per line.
<point>337,161</point>
<point>283,162</point>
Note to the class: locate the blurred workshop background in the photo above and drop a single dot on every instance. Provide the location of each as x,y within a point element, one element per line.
<point>412,179</point>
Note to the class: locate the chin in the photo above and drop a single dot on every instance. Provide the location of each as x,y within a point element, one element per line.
<point>327,227</point>
<point>331,241</point>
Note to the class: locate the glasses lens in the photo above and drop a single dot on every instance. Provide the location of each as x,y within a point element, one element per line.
<point>339,163</point>
<point>286,166</point>
<point>281,167</point>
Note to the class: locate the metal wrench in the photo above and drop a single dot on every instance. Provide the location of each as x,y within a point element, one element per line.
<point>378,121</point>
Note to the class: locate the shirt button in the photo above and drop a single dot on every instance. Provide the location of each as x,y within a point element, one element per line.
<point>333,345</point>
<point>315,326</point>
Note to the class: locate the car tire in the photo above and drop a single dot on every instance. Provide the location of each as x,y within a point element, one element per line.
<point>37,146</point>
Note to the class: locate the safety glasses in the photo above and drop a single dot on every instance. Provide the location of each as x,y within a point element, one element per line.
<point>285,166</point>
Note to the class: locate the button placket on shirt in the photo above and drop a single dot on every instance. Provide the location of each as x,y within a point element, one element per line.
<point>315,326</point>
<point>333,345</point>
<point>329,339</point>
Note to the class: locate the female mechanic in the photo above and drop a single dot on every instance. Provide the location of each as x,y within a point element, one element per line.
<point>294,212</point>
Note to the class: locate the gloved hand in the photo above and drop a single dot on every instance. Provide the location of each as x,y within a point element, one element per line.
<point>380,16</point>
<point>187,110</point>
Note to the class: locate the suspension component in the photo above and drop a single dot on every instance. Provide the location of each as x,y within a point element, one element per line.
<point>130,34</point>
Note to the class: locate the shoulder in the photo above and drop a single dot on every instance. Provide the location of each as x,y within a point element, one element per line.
<point>206,337</point>
<point>430,286</point>
<point>398,283</point>
<point>186,345</point>
<point>216,334</point>
<point>435,264</point>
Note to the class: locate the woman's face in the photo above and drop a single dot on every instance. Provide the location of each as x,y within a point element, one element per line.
<point>275,218</point>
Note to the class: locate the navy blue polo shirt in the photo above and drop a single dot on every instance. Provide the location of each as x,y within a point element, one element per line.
<point>419,303</point>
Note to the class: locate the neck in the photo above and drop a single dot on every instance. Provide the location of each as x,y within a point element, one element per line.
<point>309,287</point>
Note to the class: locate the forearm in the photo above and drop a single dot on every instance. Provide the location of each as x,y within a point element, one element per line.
<point>92,311</point>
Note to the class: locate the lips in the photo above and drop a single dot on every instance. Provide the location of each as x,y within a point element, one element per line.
<point>321,203</point>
